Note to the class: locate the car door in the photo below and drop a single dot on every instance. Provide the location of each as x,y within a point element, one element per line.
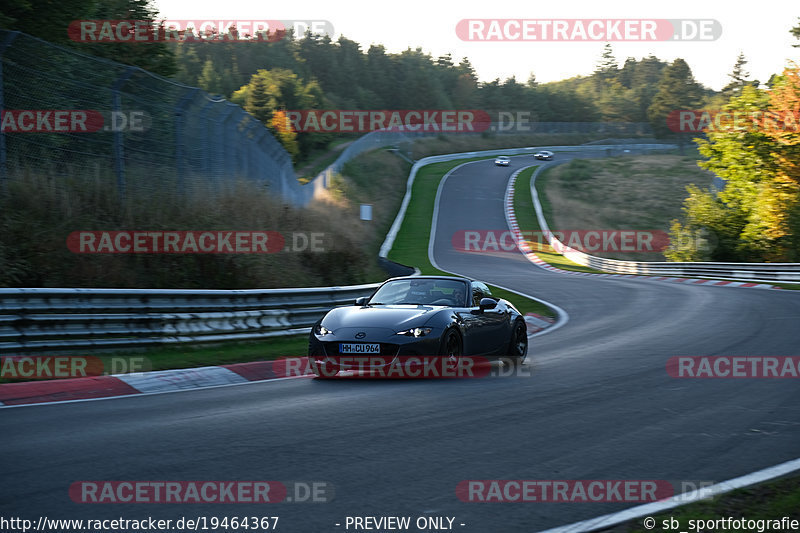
<point>487,331</point>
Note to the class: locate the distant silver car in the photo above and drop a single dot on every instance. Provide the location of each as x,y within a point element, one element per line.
<point>544,155</point>
<point>502,160</point>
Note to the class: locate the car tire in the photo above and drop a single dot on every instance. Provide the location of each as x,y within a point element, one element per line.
<point>451,346</point>
<point>518,344</point>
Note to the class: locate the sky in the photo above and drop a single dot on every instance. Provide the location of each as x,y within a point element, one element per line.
<point>761,34</point>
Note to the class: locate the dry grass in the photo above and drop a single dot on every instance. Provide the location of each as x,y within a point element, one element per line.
<point>39,210</point>
<point>632,192</point>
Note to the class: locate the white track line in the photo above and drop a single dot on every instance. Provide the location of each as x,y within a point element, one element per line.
<point>648,509</point>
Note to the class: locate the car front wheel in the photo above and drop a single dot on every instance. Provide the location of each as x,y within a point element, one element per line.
<point>518,344</point>
<point>451,347</point>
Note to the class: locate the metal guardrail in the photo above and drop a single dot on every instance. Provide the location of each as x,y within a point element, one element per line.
<point>755,272</point>
<point>62,320</point>
<point>399,135</point>
<point>53,320</point>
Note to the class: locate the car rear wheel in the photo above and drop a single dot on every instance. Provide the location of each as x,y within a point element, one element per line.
<point>518,345</point>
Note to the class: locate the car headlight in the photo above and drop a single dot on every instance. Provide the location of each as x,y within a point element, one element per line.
<point>322,330</point>
<point>415,332</point>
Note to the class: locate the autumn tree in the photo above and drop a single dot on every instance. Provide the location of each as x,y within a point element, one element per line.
<point>756,215</point>
<point>280,90</point>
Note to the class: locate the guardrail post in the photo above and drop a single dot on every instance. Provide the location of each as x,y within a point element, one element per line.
<point>222,146</point>
<point>119,154</point>
<point>257,154</point>
<point>207,170</point>
<point>180,145</point>
<point>3,168</point>
<point>245,150</point>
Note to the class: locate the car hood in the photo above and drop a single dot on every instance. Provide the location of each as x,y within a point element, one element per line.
<point>395,317</point>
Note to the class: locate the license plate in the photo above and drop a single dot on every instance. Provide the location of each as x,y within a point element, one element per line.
<point>359,348</point>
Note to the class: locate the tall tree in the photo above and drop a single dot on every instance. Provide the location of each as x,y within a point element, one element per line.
<point>778,204</point>
<point>272,92</point>
<point>738,78</point>
<point>210,80</point>
<point>49,20</point>
<point>607,68</point>
<point>677,90</point>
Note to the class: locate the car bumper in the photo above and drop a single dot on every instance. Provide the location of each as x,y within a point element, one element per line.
<point>327,352</point>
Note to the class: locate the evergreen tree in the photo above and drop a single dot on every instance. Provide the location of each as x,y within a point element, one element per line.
<point>677,90</point>
<point>209,80</point>
<point>607,68</point>
<point>738,78</point>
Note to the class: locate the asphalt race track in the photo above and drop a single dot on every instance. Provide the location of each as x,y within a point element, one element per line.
<point>597,404</point>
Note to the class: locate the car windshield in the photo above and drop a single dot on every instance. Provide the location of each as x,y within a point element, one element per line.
<point>420,292</point>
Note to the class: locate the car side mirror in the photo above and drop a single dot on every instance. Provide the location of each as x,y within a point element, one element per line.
<point>361,301</point>
<point>487,303</point>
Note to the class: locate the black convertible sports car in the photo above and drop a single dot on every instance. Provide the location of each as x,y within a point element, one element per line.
<point>419,316</point>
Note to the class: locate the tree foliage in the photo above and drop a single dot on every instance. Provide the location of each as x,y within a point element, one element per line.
<point>270,93</point>
<point>756,216</point>
<point>676,90</point>
<point>49,20</point>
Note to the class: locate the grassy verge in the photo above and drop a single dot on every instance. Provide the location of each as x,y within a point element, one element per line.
<point>772,500</point>
<point>526,219</point>
<point>632,192</point>
<point>377,178</point>
<point>411,245</point>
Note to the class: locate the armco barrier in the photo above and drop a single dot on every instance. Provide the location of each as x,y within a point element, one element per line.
<point>399,135</point>
<point>60,320</point>
<point>57,320</point>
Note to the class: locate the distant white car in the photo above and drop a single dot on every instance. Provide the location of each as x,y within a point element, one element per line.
<point>502,161</point>
<point>544,155</point>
